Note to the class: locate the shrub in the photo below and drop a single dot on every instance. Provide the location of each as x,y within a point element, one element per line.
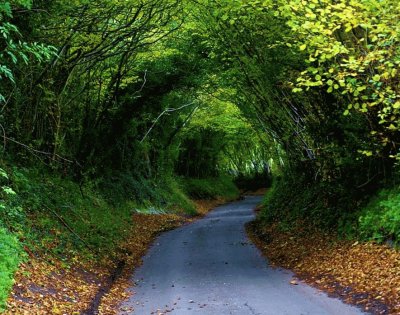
<point>10,254</point>
<point>379,220</point>
<point>210,188</point>
<point>173,196</point>
<point>297,199</point>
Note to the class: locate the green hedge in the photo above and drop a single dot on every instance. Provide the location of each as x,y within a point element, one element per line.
<point>210,188</point>
<point>379,220</point>
<point>10,255</point>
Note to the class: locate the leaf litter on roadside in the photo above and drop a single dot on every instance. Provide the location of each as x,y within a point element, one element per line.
<point>365,274</point>
<point>45,284</point>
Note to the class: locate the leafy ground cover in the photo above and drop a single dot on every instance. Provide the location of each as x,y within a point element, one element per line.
<point>46,285</point>
<point>9,260</point>
<point>210,188</point>
<point>137,245</point>
<point>150,226</point>
<point>365,274</point>
<point>379,219</point>
<point>78,247</point>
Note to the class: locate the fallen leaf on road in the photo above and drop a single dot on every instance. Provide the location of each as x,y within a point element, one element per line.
<point>366,274</point>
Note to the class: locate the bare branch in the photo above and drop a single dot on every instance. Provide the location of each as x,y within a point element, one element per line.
<point>34,151</point>
<point>166,111</point>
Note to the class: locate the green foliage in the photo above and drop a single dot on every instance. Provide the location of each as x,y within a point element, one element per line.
<point>351,50</point>
<point>210,188</point>
<point>219,139</point>
<point>15,50</point>
<point>366,214</point>
<point>122,186</point>
<point>199,153</point>
<point>292,200</point>
<point>64,220</point>
<point>165,193</point>
<point>173,196</point>
<point>142,91</point>
<point>379,220</point>
<point>11,211</point>
<point>10,256</point>
<point>10,249</point>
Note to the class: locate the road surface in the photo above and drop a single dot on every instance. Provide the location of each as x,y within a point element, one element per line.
<point>210,268</point>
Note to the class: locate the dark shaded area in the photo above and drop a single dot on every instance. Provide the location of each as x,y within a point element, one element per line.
<point>253,182</point>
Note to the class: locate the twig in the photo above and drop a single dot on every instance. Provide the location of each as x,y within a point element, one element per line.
<point>68,227</point>
<point>4,137</point>
<point>368,181</point>
<point>36,151</point>
<point>166,111</point>
<point>144,82</point>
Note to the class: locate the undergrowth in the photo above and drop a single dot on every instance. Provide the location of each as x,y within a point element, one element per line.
<point>10,249</point>
<point>379,220</point>
<point>330,206</point>
<point>290,200</point>
<point>51,215</point>
<point>10,256</point>
<point>210,188</point>
<point>252,182</point>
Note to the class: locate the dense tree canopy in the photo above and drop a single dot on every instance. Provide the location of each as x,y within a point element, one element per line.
<point>151,87</point>
<point>132,97</point>
<point>146,89</point>
<point>287,66</point>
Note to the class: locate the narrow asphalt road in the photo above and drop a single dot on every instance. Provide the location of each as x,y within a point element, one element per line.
<point>210,267</point>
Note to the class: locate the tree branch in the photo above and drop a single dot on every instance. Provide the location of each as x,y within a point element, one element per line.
<point>166,111</point>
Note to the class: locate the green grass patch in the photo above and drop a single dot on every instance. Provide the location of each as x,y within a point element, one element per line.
<point>54,215</point>
<point>329,206</point>
<point>321,204</point>
<point>379,220</point>
<point>210,188</point>
<point>173,196</point>
<point>165,193</point>
<point>68,220</point>
<point>10,256</point>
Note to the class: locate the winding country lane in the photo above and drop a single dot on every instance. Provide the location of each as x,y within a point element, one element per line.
<point>210,267</point>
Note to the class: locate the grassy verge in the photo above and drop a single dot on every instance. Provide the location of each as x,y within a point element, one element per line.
<point>210,188</point>
<point>10,253</point>
<point>334,239</point>
<point>67,239</point>
<point>330,207</point>
<point>379,219</point>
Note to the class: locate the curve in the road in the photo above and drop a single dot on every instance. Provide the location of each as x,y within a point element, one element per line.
<point>211,268</point>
